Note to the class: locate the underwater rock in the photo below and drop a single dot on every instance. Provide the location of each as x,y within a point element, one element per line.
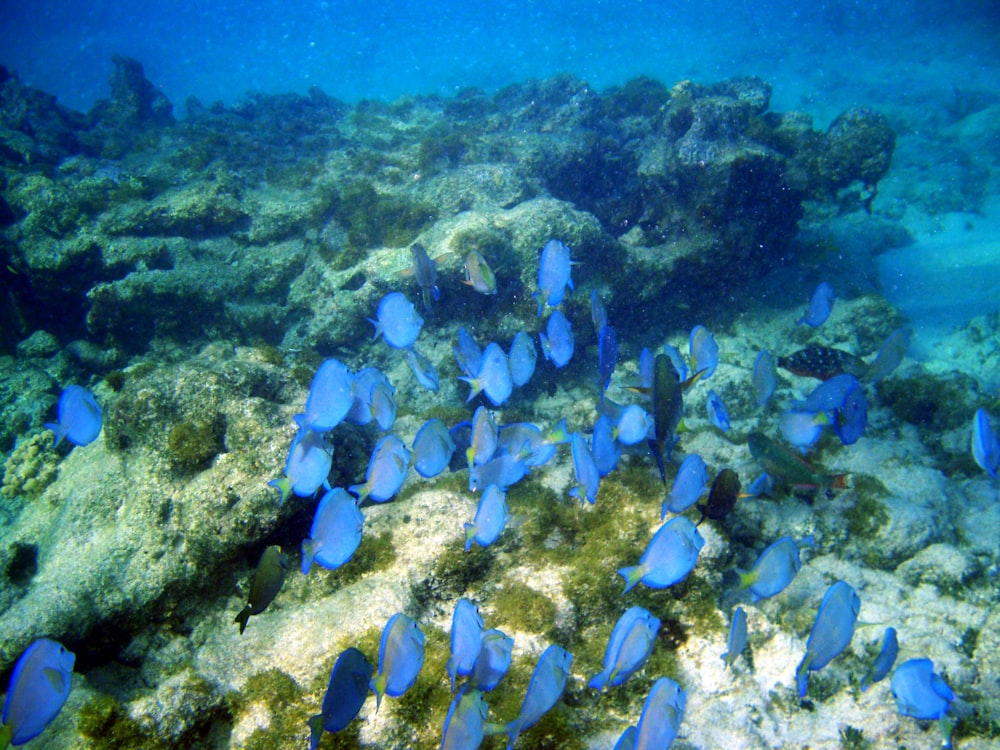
<point>858,145</point>
<point>35,130</point>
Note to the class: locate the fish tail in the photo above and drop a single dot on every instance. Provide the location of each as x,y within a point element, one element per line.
<point>308,553</point>
<point>802,675</point>
<point>632,576</point>
<point>360,491</point>
<point>838,481</point>
<point>747,579</point>
<point>6,734</point>
<point>59,431</point>
<point>599,681</point>
<point>242,618</point>
<point>377,686</point>
<point>470,534</point>
<point>541,302</point>
<point>315,730</point>
<point>284,487</point>
<point>475,387</point>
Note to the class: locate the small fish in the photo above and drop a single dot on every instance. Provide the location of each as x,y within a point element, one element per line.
<point>985,446</point>
<point>661,716</point>
<point>554,271</point>
<point>802,428</point>
<point>484,438</point>
<point>598,313</point>
<point>820,306</point>
<point>842,400</point>
<point>633,425</point>
<point>345,695</point>
<point>330,397</point>
<point>433,447</point>
<point>425,271</point>
<point>400,657</point>
<point>362,387</point>
<point>889,356</point>
<point>822,363</point>
<point>383,405</point>
<point>722,496</point>
<point>335,533</point>
<point>607,356</point>
<point>267,582</point>
<point>493,377</point>
<point>306,467</point>
<point>670,555</point>
<point>466,639</point>
<point>603,447</point>
<point>704,351</point>
<point>465,723</point>
<point>479,275</point>
<point>546,687</point>
<point>717,413</point>
<point>503,471</point>
<point>737,637</point>
<point>522,359</point>
<point>557,341</point>
<point>884,661</point>
<point>629,646</point>
<point>920,692</point>
<point>588,478</point>
<point>782,464</point>
<point>688,486</point>
<point>80,417</point>
<point>386,470</point>
<point>526,442</point>
<point>493,660</point>
<point>774,570</point>
<point>831,632</point>
<point>490,519</point>
<point>468,353</point>
<point>397,321</point>
<point>765,377</point>
<point>425,372</point>
<point>38,689</point>
<point>668,408</point>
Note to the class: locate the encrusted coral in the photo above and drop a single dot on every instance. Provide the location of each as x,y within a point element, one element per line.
<point>31,467</point>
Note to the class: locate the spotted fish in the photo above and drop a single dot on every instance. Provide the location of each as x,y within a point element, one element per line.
<point>823,362</point>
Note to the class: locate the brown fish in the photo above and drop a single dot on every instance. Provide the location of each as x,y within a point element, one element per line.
<point>722,497</point>
<point>823,362</point>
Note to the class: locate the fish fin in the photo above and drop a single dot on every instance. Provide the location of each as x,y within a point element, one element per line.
<point>470,535</point>
<point>657,450</point>
<point>693,379</point>
<point>308,553</point>
<point>284,487</point>
<point>6,731</point>
<point>378,329</point>
<point>315,730</point>
<point>360,491</point>
<point>55,678</point>
<point>242,618</point>
<point>802,675</point>
<point>632,576</point>
<point>599,681</point>
<point>748,578</point>
<point>475,387</point>
<point>59,430</point>
<point>377,686</point>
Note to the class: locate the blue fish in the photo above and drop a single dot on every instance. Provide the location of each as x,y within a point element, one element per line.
<point>493,377</point>
<point>670,555</point>
<point>607,356</point>
<point>920,692</point>
<point>526,442</point>
<point>465,724</point>
<point>554,270</point>
<point>362,388</point>
<point>688,486</point>
<point>677,359</point>
<point>889,356</point>
<point>765,377</point>
<point>336,531</point>
<point>467,353</point>
<point>490,519</point>
<point>503,471</point>
<point>820,306</point>
<point>629,646</point>
<point>661,717</point>
<point>466,639</point>
<point>704,352</point>
<point>985,446</point>
<point>38,689</point>
<point>306,467</point>
<point>633,426</point>
<point>646,364</point>
<point>802,428</point>
<point>400,657</point>
<point>425,271</point>
<point>522,358</point>
<point>831,632</point>
<point>603,447</point>
<point>842,399</point>
<point>330,397</point>
<point>598,313</point>
<point>386,470</point>
<point>717,413</point>
<point>433,447</point>
<point>383,405</point>
<point>774,570</point>
<point>627,740</point>
<point>425,372</point>
<point>345,695</point>
<point>397,321</point>
<point>557,341</point>
<point>493,660</point>
<point>737,637</point>
<point>80,417</point>
<point>484,438</point>
<point>588,478</point>
<point>546,687</point>
<point>884,661</point>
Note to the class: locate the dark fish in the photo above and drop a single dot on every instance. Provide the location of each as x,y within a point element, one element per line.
<point>668,408</point>
<point>723,496</point>
<point>267,582</point>
<point>781,463</point>
<point>425,271</point>
<point>823,362</point>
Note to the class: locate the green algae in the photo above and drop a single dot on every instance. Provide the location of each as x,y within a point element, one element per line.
<point>192,445</point>
<point>103,721</point>
<point>522,608</point>
<point>454,572</point>
<point>284,699</point>
<point>374,219</point>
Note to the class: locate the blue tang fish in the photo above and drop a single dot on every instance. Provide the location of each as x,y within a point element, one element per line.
<point>526,442</point>
<point>522,359</point>
<point>920,692</point>
<point>629,646</point>
<point>433,447</point>
<point>802,428</point>
<point>557,341</point>
<point>503,471</point>
<point>646,369</point>
<point>831,632</point>
<point>603,447</point>
<point>306,467</point>
<point>688,486</point>
<point>397,321</point>
<point>704,351</point>
<point>737,637</point>
<point>765,377</point>
<point>627,740</point>
<point>554,270</point>
<point>546,687</point>
<point>425,373</point>
<point>842,399</point>
<point>80,417</point>
<point>362,387</point>
<point>330,397</point>
<point>466,639</point>
<point>607,356</point>
<point>717,413</point>
<point>820,306</point>
<point>465,724</point>
<point>400,657</point>
<point>484,438</point>
<point>598,313</point>
<point>677,359</point>
<point>588,478</point>
<point>493,660</point>
<point>669,557</point>
<point>889,356</point>
<point>386,470</point>
<point>345,695</point>
<point>884,661</point>
<point>633,425</point>
<point>467,353</point>
<point>774,570</point>
<point>38,689</point>
<point>661,717</point>
<point>493,377</point>
<point>985,446</point>
<point>383,405</point>
<point>336,531</point>
<point>490,519</point>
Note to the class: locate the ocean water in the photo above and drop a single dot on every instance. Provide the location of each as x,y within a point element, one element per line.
<point>194,272</point>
